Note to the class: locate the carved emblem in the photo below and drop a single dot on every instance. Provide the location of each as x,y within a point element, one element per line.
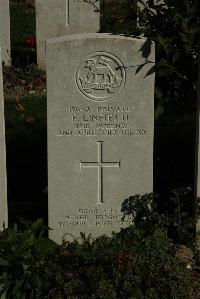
<point>100,76</point>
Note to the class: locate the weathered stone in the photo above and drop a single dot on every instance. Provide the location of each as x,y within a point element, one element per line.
<point>3,181</point>
<point>63,17</point>
<point>5,31</point>
<point>100,131</point>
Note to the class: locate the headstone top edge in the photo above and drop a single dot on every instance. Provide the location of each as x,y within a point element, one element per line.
<point>93,36</point>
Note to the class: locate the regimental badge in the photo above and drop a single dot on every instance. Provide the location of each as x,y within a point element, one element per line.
<point>101,76</point>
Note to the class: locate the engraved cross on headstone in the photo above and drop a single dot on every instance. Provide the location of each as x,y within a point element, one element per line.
<point>100,165</point>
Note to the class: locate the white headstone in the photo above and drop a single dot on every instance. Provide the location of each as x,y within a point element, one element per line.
<point>5,31</point>
<point>100,131</point>
<point>3,181</point>
<point>63,17</point>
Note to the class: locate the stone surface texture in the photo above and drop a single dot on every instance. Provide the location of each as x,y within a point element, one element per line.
<point>62,17</point>
<point>5,31</point>
<point>3,181</point>
<point>100,131</point>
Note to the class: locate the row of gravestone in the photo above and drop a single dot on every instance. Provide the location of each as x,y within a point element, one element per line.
<point>53,19</point>
<point>100,120</point>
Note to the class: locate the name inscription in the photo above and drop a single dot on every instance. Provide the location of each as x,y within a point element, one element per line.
<point>101,121</point>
